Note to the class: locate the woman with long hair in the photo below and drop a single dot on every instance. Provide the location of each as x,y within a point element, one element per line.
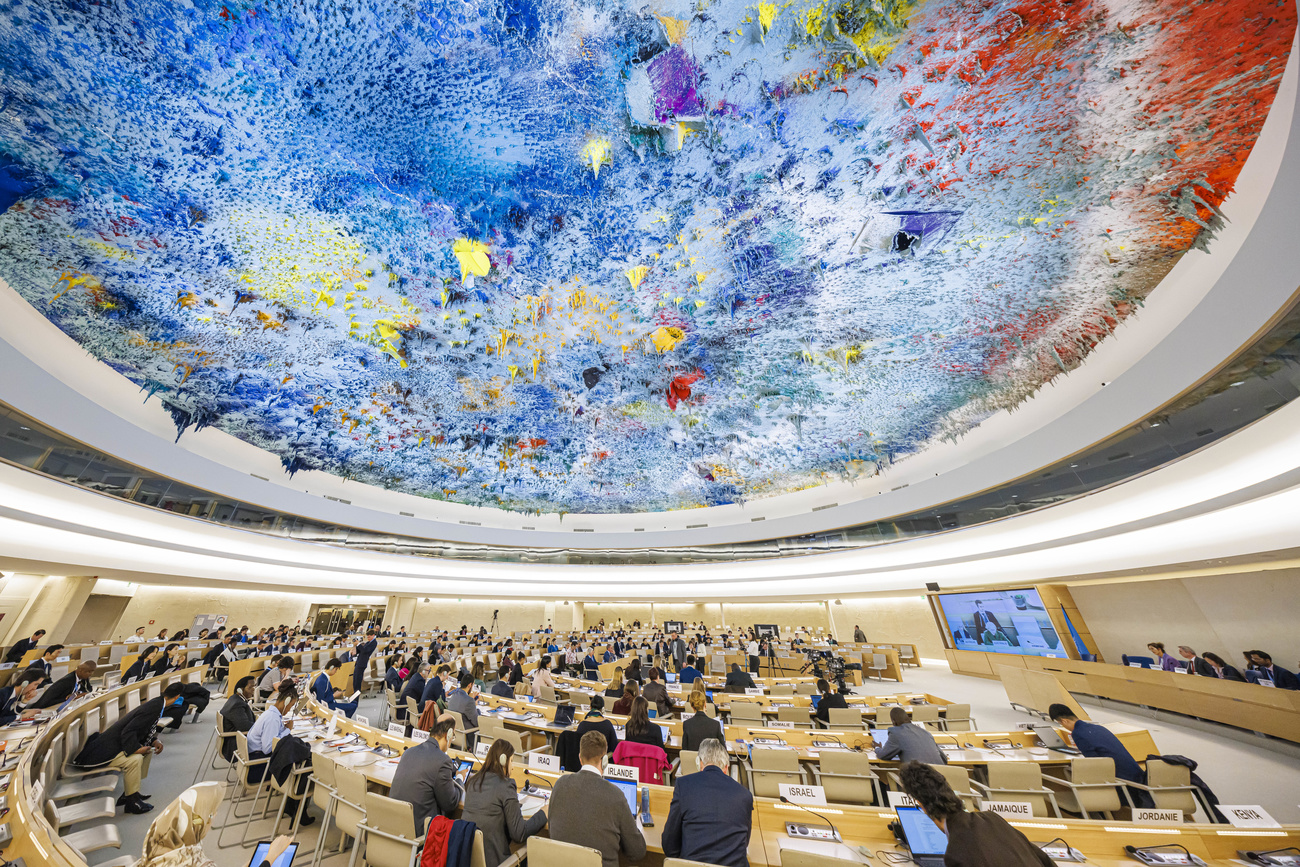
<point>492,803</point>
<point>615,689</point>
<point>477,673</point>
<point>623,706</point>
<point>639,729</point>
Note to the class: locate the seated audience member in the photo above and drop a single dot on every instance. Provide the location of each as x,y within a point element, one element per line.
<point>501,686</point>
<point>1281,678</point>
<point>588,810</point>
<point>1195,664</point>
<point>615,688</point>
<point>426,775</point>
<point>413,690</point>
<point>45,662</point>
<point>909,743</point>
<point>517,670</point>
<point>542,677</point>
<point>19,650</point>
<point>435,689</point>
<point>262,736</point>
<point>492,803</point>
<point>738,680</point>
<point>828,700</point>
<point>1164,660</point>
<point>135,638</point>
<point>281,669</point>
<point>595,721</point>
<point>1221,669</point>
<point>327,695</point>
<point>477,672</point>
<point>17,698</point>
<point>238,714</point>
<point>689,673</point>
<point>123,745</point>
<point>623,706</point>
<point>591,665</point>
<point>978,839</point>
<point>462,700</point>
<point>701,726</point>
<point>710,817</point>
<point>1097,741</point>
<point>658,693</point>
<point>393,673</point>
<point>74,683</point>
<point>639,729</point>
<point>172,658</point>
<point>139,669</point>
<point>633,672</point>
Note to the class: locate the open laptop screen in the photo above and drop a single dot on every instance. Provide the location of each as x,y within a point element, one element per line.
<point>923,837</point>
<point>628,788</point>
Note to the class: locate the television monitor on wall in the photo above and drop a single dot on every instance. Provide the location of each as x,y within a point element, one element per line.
<point>1001,621</point>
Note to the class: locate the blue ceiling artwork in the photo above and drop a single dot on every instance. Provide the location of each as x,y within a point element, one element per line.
<point>610,256</point>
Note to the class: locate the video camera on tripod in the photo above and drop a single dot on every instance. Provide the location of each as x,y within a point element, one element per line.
<point>834,670</point>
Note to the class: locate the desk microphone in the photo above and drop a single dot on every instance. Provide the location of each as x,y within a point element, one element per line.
<point>856,747</point>
<point>992,744</point>
<point>530,775</point>
<point>834,830</point>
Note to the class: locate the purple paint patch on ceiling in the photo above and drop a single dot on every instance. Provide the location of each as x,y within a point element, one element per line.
<point>673,74</point>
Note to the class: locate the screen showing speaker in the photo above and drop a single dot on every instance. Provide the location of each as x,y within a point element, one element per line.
<point>1001,621</point>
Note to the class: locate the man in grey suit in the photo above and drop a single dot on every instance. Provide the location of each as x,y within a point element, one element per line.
<point>588,810</point>
<point>426,775</point>
<point>677,649</point>
<point>462,700</point>
<point>909,742</point>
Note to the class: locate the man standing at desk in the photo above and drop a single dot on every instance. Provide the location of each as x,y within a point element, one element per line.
<point>588,810</point>
<point>1098,742</point>
<point>677,650</point>
<point>362,661</point>
<point>987,629</point>
<point>909,742</point>
<point>711,814</point>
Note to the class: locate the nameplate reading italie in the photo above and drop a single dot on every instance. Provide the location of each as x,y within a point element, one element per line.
<point>753,690</point>
<point>1248,816</point>
<point>419,735</point>
<point>815,795</point>
<point>539,762</point>
<point>623,772</point>
<point>397,729</point>
<point>1159,817</point>
<point>900,799</point>
<point>1010,809</point>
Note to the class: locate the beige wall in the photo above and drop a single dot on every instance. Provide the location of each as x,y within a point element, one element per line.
<point>889,619</point>
<point>174,608</point>
<point>742,615</point>
<point>49,602</point>
<point>515,615</point>
<point>1225,614</point>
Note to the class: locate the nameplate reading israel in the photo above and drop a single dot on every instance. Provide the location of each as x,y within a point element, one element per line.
<point>539,762</point>
<point>1159,817</point>
<point>1010,808</point>
<point>623,772</point>
<point>1248,816</point>
<point>815,795</point>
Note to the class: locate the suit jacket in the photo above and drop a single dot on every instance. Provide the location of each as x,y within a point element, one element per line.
<point>19,649</point>
<point>1097,741</point>
<point>909,743</point>
<point>1200,667</point>
<point>588,810</point>
<point>502,688</point>
<point>137,670</point>
<point>658,693</point>
<point>460,701</point>
<point>594,722</point>
<point>699,729</point>
<point>678,650</point>
<point>60,691</point>
<point>433,691</point>
<point>128,734</point>
<point>985,621</point>
<point>986,840</point>
<point>1230,673</point>
<point>41,665</point>
<point>494,808</point>
<point>1281,678</point>
<point>709,819</point>
<point>426,779</point>
<point>364,652</point>
<point>238,714</point>
<point>828,701</point>
<point>414,689</point>
<point>516,673</point>
<point>739,680</point>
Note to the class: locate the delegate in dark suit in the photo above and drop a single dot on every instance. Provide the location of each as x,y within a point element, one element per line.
<point>364,652</point>
<point>709,819</point>
<point>588,810</point>
<point>911,743</point>
<point>737,680</point>
<point>699,729</point>
<point>413,690</point>
<point>239,717</point>
<point>986,840</point>
<point>19,650</point>
<point>495,809</point>
<point>426,779</point>
<point>828,701</point>
<point>61,690</point>
<point>595,722</point>
<point>434,690</point>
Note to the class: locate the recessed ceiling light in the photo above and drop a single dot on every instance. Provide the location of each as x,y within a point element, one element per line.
<point>1235,384</point>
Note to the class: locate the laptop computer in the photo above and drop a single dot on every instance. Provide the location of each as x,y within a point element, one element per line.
<point>628,788</point>
<point>816,699</point>
<point>922,837</point>
<point>1047,734</point>
<point>563,716</point>
<point>669,677</point>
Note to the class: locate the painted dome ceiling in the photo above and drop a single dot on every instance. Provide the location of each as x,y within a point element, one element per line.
<point>561,256</point>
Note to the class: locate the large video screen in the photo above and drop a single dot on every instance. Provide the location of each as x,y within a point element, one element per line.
<point>1001,621</point>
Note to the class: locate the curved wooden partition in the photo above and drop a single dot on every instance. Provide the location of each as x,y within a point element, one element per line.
<point>33,838</point>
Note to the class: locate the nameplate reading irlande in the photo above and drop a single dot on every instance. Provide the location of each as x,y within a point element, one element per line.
<point>1017,809</point>
<point>753,690</point>
<point>900,799</point>
<point>1248,816</point>
<point>397,729</point>
<point>780,724</point>
<point>623,772</point>
<point>539,762</point>
<point>815,795</point>
<point>1159,817</point>
<point>480,750</point>
<point>419,735</point>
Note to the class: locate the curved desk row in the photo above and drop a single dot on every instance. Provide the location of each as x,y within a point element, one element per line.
<point>1102,842</point>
